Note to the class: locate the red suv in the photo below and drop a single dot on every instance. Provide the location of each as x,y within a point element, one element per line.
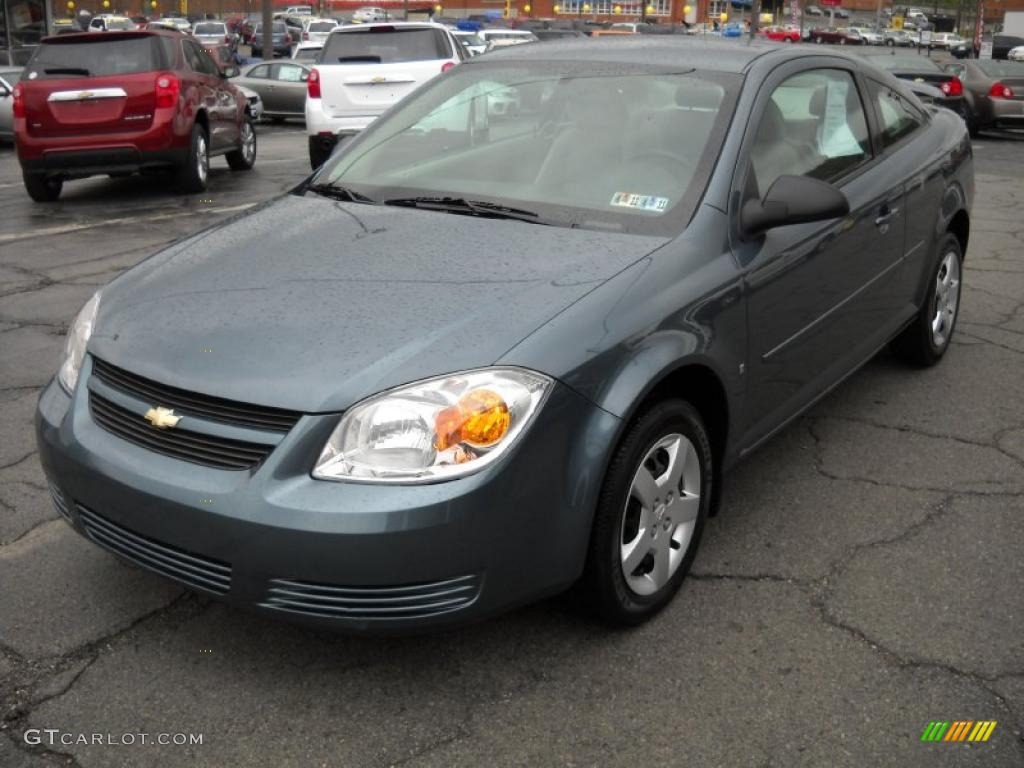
<point>126,102</point>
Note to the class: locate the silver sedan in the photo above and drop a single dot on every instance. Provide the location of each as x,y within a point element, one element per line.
<point>9,76</point>
<point>281,86</point>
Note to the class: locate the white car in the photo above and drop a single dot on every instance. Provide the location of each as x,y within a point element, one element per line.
<point>501,36</point>
<point>1016,54</point>
<point>299,10</point>
<point>366,68</point>
<point>317,30</point>
<point>471,40</point>
<point>368,13</point>
<point>106,22</point>
<point>307,51</point>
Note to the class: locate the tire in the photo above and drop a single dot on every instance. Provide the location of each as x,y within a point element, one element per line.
<point>818,40</point>
<point>662,550</point>
<point>927,338</point>
<point>193,175</point>
<point>244,158</point>
<point>318,155</point>
<point>891,43</point>
<point>842,41</point>
<point>42,189</point>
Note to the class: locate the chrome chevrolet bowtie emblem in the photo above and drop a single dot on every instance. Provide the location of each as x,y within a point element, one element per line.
<point>162,418</point>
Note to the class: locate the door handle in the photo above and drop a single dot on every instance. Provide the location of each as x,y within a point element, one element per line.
<point>884,215</point>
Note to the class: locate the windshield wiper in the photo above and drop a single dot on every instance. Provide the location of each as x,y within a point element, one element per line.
<point>469,207</point>
<point>67,71</point>
<point>338,192</point>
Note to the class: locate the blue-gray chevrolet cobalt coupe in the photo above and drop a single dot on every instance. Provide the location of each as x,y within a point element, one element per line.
<point>511,337</point>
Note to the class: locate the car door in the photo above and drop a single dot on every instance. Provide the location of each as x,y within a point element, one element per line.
<point>217,99</point>
<point>817,297</point>
<point>288,87</point>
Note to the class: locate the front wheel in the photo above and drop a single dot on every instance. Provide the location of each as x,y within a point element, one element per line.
<point>927,338</point>
<point>244,158</point>
<point>890,43</point>
<point>650,514</point>
<point>42,189</point>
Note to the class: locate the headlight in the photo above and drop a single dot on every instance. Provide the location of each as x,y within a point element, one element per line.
<point>78,337</point>
<point>433,430</point>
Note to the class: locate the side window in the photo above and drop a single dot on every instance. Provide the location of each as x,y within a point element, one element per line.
<point>289,73</point>
<point>262,71</point>
<point>813,125</point>
<point>209,66</point>
<point>199,60</point>
<point>897,116</point>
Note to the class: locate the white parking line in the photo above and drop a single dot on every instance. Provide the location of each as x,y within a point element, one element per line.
<point>126,220</point>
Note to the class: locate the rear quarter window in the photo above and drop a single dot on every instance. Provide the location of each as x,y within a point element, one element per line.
<point>386,45</point>
<point>99,57</point>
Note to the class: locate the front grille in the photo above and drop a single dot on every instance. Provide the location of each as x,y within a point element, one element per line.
<point>408,602</point>
<point>197,448</point>
<point>189,568</point>
<point>59,502</point>
<point>194,404</point>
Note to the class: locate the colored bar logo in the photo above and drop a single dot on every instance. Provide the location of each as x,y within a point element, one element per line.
<point>958,730</point>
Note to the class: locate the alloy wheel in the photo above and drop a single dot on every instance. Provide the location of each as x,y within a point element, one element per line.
<point>202,159</point>
<point>248,142</point>
<point>947,299</point>
<point>660,514</point>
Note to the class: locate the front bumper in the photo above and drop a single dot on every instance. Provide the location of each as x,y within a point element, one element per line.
<point>363,558</point>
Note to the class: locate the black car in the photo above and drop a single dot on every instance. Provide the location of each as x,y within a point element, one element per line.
<point>507,362</point>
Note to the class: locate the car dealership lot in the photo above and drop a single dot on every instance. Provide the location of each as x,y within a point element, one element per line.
<point>862,579</point>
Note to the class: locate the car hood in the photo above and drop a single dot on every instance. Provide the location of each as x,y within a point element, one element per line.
<point>311,305</point>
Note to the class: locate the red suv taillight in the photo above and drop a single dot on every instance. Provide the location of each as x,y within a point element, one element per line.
<point>952,87</point>
<point>19,101</point>
<point>167,89</point>
<point>1000,91</point>
<point>446,66</point>
<point>313,84</point>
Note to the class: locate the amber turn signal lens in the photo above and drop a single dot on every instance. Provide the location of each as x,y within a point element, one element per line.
<point>480,418</point>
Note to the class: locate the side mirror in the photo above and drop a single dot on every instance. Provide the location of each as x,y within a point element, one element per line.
<point>793,200</point>
<point>229,72</point>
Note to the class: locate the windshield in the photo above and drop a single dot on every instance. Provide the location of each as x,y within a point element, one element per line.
<point>278,28</point>
<point>114,24</point>
<point>307,54</point>
<point>470,38</point>
<point>209,29</point>
<point>621,150</point>
<point>1001,68</point>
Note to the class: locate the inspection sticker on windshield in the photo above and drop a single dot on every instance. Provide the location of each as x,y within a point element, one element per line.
<point>640,202</point>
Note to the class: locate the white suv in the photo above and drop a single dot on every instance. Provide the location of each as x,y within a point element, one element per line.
<point>364,69</point>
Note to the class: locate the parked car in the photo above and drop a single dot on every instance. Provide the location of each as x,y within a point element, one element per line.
<point>373,449</point>
<point>108,23</point>
<point>214,33</point>
<point>126,102</point>
<point>178,22</point>
<point>317,30</point>
<point>369,13</point>
<point>1016,54</point>
<point>8,79</point>
<point>281,86</point>
<point>994,93</point>
<point>364,69</point>
<point>473,43</point>
<point>282,40</point>
<point>294,24</point>
<point>307,51</point>
<point>842,36</point>
<point>915,68</point>
<point>781,34</point>
<point>869,35</point>
<point>841,13</point>
<point>1003,44</point>
<point>500,35</point>
<point>899,38</point>
<point>813,10</point>
<point>943,41</point>
<point>299,10</point>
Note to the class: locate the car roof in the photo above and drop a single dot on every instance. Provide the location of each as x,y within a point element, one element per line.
<point>116,34</point>
<point>372,24</point>
<point>656,50</point>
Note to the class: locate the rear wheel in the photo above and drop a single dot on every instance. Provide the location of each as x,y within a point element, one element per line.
<point>42,189</point>
<point>926,340</point>
<point>650,514</point>
<point>192,176</point>
<point>244,158</point>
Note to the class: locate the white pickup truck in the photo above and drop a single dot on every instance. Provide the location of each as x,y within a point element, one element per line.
<point>364,69</point>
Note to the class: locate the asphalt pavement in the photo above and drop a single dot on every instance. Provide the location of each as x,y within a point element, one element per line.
<point>863,579</point>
